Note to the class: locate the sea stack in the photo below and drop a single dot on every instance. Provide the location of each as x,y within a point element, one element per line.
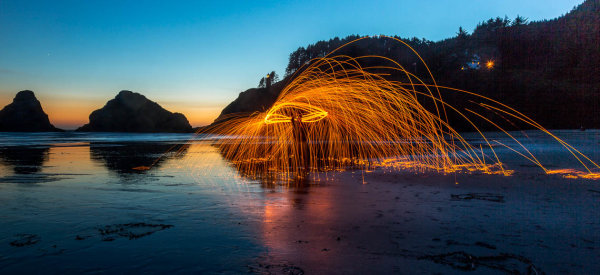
<point>133,112</point>
<point>25,114</point>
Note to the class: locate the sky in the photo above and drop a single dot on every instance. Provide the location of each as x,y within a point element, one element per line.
<point>195,57</point>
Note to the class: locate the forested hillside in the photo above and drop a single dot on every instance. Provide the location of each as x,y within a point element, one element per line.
<point>549,70</point>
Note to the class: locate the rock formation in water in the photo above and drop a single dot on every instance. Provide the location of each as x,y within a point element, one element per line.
<point>25,114</point>
<point>133,112</point>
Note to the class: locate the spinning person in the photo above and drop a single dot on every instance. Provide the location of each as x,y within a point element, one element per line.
<point>302,153</point>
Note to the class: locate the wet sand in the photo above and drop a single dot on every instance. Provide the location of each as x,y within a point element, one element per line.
<point>78,207</point>
<point>404,223</point>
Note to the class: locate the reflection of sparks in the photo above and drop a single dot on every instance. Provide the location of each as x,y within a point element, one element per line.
<point>355,115</point>
<point>490,64</point>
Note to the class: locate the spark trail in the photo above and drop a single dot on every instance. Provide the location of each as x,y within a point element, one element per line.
<point>358,115</point>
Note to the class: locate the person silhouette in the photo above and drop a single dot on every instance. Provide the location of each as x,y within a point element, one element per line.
<point>302,154</point>
<point>303,129</point>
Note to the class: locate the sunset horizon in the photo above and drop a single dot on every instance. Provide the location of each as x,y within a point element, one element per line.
<point>175,76</point>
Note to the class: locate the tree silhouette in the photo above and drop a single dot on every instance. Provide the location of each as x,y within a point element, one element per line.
<point>274,77</point>
<point>461,34</point>
<point>553,61</point>
<point>519,21</point>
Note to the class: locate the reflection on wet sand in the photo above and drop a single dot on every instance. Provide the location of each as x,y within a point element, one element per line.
<point>24,160</point>
<point>295,226</point>
<point>293,220</point>
<point>122,158</point>
<point>44,163</point>
<point>292,214</point>
<point>268,176</point>
<point>85,220</point>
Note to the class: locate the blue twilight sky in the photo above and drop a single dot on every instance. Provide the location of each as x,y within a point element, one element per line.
<point>196,56</point>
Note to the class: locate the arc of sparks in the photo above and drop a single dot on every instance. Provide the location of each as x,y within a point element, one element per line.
<point>358,115</point>
<point>280,113</point>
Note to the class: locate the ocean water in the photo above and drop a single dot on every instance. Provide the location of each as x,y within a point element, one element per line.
<point>72,202</point>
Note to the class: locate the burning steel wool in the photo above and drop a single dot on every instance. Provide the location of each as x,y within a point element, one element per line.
<point>337,112</point>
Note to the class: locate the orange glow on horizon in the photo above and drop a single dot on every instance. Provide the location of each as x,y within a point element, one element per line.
<point>72,113</point>
<point>197,116</point>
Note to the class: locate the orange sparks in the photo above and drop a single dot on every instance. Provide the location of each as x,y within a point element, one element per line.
<point>338,112</point>
<point>574,174</point>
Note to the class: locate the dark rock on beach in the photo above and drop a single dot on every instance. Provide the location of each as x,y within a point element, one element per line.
<point>130,231</point>
<point>25,240</point>
<point>25,114</point>
<point>133,112</point>
<point>252,100</point>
